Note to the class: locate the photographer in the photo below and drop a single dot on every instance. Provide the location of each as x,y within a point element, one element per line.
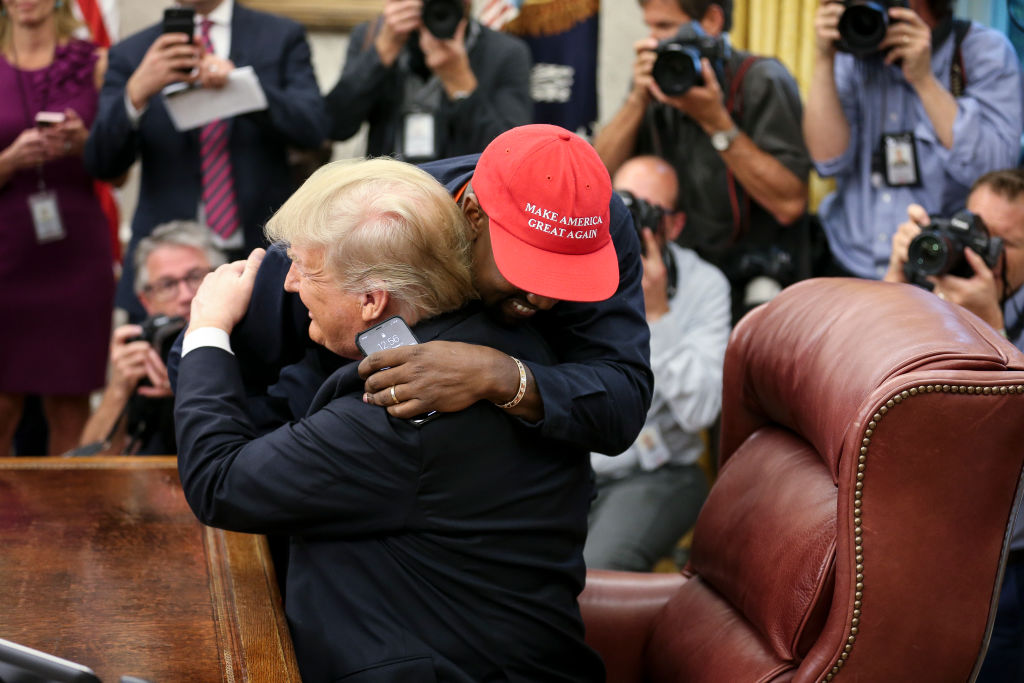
<point>649,496</point>
<point>136,414</point>
<point>997,297</point>
<point>913,120</point>
<point>733,137</point>
<point>431,82</point>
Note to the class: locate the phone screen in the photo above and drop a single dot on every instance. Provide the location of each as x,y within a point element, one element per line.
<point>389,334</point>
<point>179,20</point>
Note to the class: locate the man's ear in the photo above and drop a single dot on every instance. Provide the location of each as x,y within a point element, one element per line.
<point>713,20</point>
<point>474,214</point>
<point>372,304</point>
<point>674,225</point>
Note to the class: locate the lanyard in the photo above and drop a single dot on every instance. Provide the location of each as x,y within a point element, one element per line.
<point>26,106</point>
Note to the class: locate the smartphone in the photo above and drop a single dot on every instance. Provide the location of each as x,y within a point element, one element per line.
<point>180,20</point>
<point>390,334</point>
<point>45,119</point>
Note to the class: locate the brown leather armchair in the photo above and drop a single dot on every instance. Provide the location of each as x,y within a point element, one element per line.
<point>872,446</point>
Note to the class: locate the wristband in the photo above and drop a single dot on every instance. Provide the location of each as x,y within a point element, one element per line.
<point>522,386</point>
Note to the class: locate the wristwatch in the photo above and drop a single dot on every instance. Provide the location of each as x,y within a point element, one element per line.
<point>722,140</point>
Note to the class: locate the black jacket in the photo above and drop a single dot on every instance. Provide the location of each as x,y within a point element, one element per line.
<point>450,552</point>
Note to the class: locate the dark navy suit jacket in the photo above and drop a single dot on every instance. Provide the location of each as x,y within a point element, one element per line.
<point>450,552</point>
<point>170,184</point>
<point>595,398</point>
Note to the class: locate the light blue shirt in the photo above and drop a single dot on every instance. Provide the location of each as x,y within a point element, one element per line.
<point>862,215</point>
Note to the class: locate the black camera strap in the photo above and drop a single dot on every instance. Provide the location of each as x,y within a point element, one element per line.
<point>734,105</point>
<point>957,74</point>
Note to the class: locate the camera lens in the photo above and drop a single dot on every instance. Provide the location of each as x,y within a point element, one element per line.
<point>930,254</point>
<point>862,27</point>
<point>442,17</point>
<point>677,69</point>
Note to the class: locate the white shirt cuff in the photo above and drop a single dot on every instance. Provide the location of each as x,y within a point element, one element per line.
<point>133,114</point>
<point>206,336</point>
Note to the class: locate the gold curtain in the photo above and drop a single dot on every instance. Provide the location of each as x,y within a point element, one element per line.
<point>783,29</point>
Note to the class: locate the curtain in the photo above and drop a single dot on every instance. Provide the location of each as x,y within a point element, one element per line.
<point>783,29</point>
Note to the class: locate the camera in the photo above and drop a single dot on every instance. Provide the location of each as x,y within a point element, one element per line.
<point>442,17</point>
<point>939,249</point>
<point>161,331</point>
<point>645,215</point>
<point>677,64</point>
<point>863,25</point>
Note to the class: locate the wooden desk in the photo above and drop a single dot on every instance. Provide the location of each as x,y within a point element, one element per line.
<point>103,563</point>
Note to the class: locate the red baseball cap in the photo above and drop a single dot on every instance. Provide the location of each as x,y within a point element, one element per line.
<point>546,193</point>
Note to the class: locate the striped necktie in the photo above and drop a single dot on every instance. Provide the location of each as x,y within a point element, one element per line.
<point>215,162</point>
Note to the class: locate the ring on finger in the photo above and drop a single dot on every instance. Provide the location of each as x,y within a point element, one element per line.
<point>394,397</point>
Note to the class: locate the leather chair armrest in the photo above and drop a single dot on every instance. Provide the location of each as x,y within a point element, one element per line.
<point>618,609</point>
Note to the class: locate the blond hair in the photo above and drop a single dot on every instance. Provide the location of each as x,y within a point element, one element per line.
<point>64,20</point>
<point>383,225</point>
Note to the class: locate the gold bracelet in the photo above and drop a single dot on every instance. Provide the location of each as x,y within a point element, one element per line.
<point>522,386</point>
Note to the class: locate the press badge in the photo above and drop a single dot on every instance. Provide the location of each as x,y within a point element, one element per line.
<point>651,449</point>
<point>418,136</point>
<point>900,156</point>
<point>46,216</point>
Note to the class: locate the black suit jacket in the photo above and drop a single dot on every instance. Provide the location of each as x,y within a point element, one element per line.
<point>450,552</point>
<point>595,398</point>
<point>170,184</point>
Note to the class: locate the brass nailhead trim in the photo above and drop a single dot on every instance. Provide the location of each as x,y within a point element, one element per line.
<point>859,494</point>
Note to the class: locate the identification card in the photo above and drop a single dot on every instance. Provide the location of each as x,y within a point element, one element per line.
<point>900,156</point>
<point>46,216</point>
<point>651,448</point>
<point>418,136</point>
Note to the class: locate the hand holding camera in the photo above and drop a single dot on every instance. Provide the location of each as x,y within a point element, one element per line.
<point>686,74</point>
<point>954,258</point>
<point>133,359</point>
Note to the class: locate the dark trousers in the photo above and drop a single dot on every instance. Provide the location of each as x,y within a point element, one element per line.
<point>1004,662</point>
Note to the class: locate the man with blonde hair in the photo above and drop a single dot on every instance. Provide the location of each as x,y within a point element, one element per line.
<point>445,550</point>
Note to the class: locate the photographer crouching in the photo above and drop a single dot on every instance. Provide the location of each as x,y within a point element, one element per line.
<point>136,415</point>
<point>976,260</point>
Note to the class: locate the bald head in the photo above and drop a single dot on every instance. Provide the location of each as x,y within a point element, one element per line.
<point>649,178</point>
<point>653,180</point>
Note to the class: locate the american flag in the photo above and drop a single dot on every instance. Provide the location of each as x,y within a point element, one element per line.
<point>496,13</point>
<point>101,18</point>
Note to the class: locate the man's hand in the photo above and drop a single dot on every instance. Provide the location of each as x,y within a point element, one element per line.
<point>642,67</point>
<point>449,60</point>
<point>905,234</point>
<point>702,103</point>
<point>214,71</point>
<point>170,59</point>
<point>437,375</point>
<point>909,42</point>
<point>826,28</point>
<point>400,18</point>
<point>655,278</point>
<point>979,293</point>
<point>223,298</point>
<point>131,361</point>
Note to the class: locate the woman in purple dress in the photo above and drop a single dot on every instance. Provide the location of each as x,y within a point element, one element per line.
<point>56,276</point>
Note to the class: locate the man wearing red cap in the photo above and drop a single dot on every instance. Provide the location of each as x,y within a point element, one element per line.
<point>548,231</point>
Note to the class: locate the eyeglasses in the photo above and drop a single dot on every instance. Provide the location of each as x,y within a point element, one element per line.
<point>166,288</point>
